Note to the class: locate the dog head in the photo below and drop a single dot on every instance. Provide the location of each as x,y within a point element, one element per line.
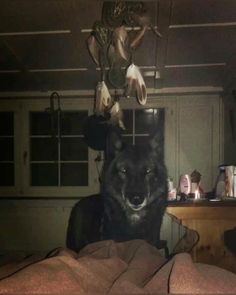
<point>134,176</point>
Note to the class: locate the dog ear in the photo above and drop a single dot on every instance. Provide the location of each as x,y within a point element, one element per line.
<point>114,143</point>
<point>156,142</point>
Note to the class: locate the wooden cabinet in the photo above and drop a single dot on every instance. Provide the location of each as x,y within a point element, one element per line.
<point>210,220</point>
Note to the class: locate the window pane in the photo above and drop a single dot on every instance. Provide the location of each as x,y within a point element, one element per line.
<point>73,149</point>
<point>74,174</point>
<point>44,174</point>
<point>6,123</point>
<point>141,139</point>
<point>148,119</point>
<point>6,149</point>
<point>42,123</point>
<point>128,121</point>
<point>144,119</point>
<point>7,170</point>
<point>44,149</point>
<point>72,122</point>
<point>7,177</point>
<point>128,139</point>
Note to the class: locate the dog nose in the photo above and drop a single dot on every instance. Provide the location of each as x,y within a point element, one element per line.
<point>136,200</point>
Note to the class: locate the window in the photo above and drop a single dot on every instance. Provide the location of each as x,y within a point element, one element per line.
<point>7,167</point>
<point>46,156</point>
<point>41,158</point>
<point>141,123</point>
<point>58,153</point>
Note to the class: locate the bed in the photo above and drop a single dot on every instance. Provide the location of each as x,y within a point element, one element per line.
<point>110,267</point>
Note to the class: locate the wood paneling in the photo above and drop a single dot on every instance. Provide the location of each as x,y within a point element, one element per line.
<point>201,45</point>
<point>37,15</point>
<point>203,11</point>
<point>46,51</point>
<point>210,223</point>
<point>196,145</point>
<point>33,226</point>
<point>195,76</point>
<point>178,46</point>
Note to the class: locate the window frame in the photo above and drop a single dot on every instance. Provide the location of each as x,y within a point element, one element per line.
<point>22,108</point>
<point>134,135</point>
<point>6,106</point>
<point>58,144</point>
<point>66,191</point>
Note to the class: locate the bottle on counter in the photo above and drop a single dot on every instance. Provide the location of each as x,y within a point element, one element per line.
<point>234,181</point>
<point>171,190</point>
<point>220,182</point>
<point>184,184</point>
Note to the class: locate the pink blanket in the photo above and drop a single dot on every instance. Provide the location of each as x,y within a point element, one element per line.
<point>128,267</point>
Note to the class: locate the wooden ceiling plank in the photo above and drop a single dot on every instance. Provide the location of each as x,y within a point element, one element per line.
<point>201,45</point>
<point>58,70</point>
<point>203,25</point>
<point>26,33</point>
<point>48,51</point>
<point>28,15</point>
<point>9,71</point>
<point>12,52</point>
<point>164,18</point>
<point>64,63</point>
<point>203,11</point>
<point>197,76</point>
<point>73,21</point>
<point>7,61</point>
<point>195,65</point>
<point>24,70</point>
<point>90,93</point>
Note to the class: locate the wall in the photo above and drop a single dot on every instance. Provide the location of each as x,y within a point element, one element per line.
<point>199,141</point>
<point>229,129</point>
<point>193,140</point>
<point>33,225</point>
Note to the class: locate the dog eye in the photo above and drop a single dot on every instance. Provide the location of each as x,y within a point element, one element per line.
<point>123,170</point>
<point>148,170</point>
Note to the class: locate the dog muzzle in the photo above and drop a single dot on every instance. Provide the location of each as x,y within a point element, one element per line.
<point>136,202</point>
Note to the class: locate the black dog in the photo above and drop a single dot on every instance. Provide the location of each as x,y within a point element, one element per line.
<point>133,196</point>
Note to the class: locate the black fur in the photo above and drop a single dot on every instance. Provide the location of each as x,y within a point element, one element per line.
<point>133,196</point>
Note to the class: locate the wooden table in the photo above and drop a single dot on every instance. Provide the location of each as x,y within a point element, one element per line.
<point>210,220</point>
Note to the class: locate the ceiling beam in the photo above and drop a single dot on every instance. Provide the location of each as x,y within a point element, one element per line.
<point>219,64</point>
<point>66,69</point>
<point>226,24</point>
<point>90,93</point>
<point>30,33</point>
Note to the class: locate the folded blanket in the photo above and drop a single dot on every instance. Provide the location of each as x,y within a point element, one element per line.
<point>127,267</point>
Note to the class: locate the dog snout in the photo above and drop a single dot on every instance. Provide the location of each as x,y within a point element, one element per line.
<point>136,199</point>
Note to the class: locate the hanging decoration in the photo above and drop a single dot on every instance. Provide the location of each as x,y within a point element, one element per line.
<point>55,114</point>
<point>103,99</point>
<point>136,83</point>
<point>111,47</point>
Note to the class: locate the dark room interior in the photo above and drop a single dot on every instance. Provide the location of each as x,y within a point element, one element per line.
<point>68,68</point>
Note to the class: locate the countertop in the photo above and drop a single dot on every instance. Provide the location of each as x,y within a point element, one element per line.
<point>203,203</point>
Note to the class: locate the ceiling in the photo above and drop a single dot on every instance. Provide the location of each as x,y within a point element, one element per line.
<point>43,45</point>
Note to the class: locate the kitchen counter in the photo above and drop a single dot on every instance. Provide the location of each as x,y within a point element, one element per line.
<point>203,203</point>
<point>210,220</point>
